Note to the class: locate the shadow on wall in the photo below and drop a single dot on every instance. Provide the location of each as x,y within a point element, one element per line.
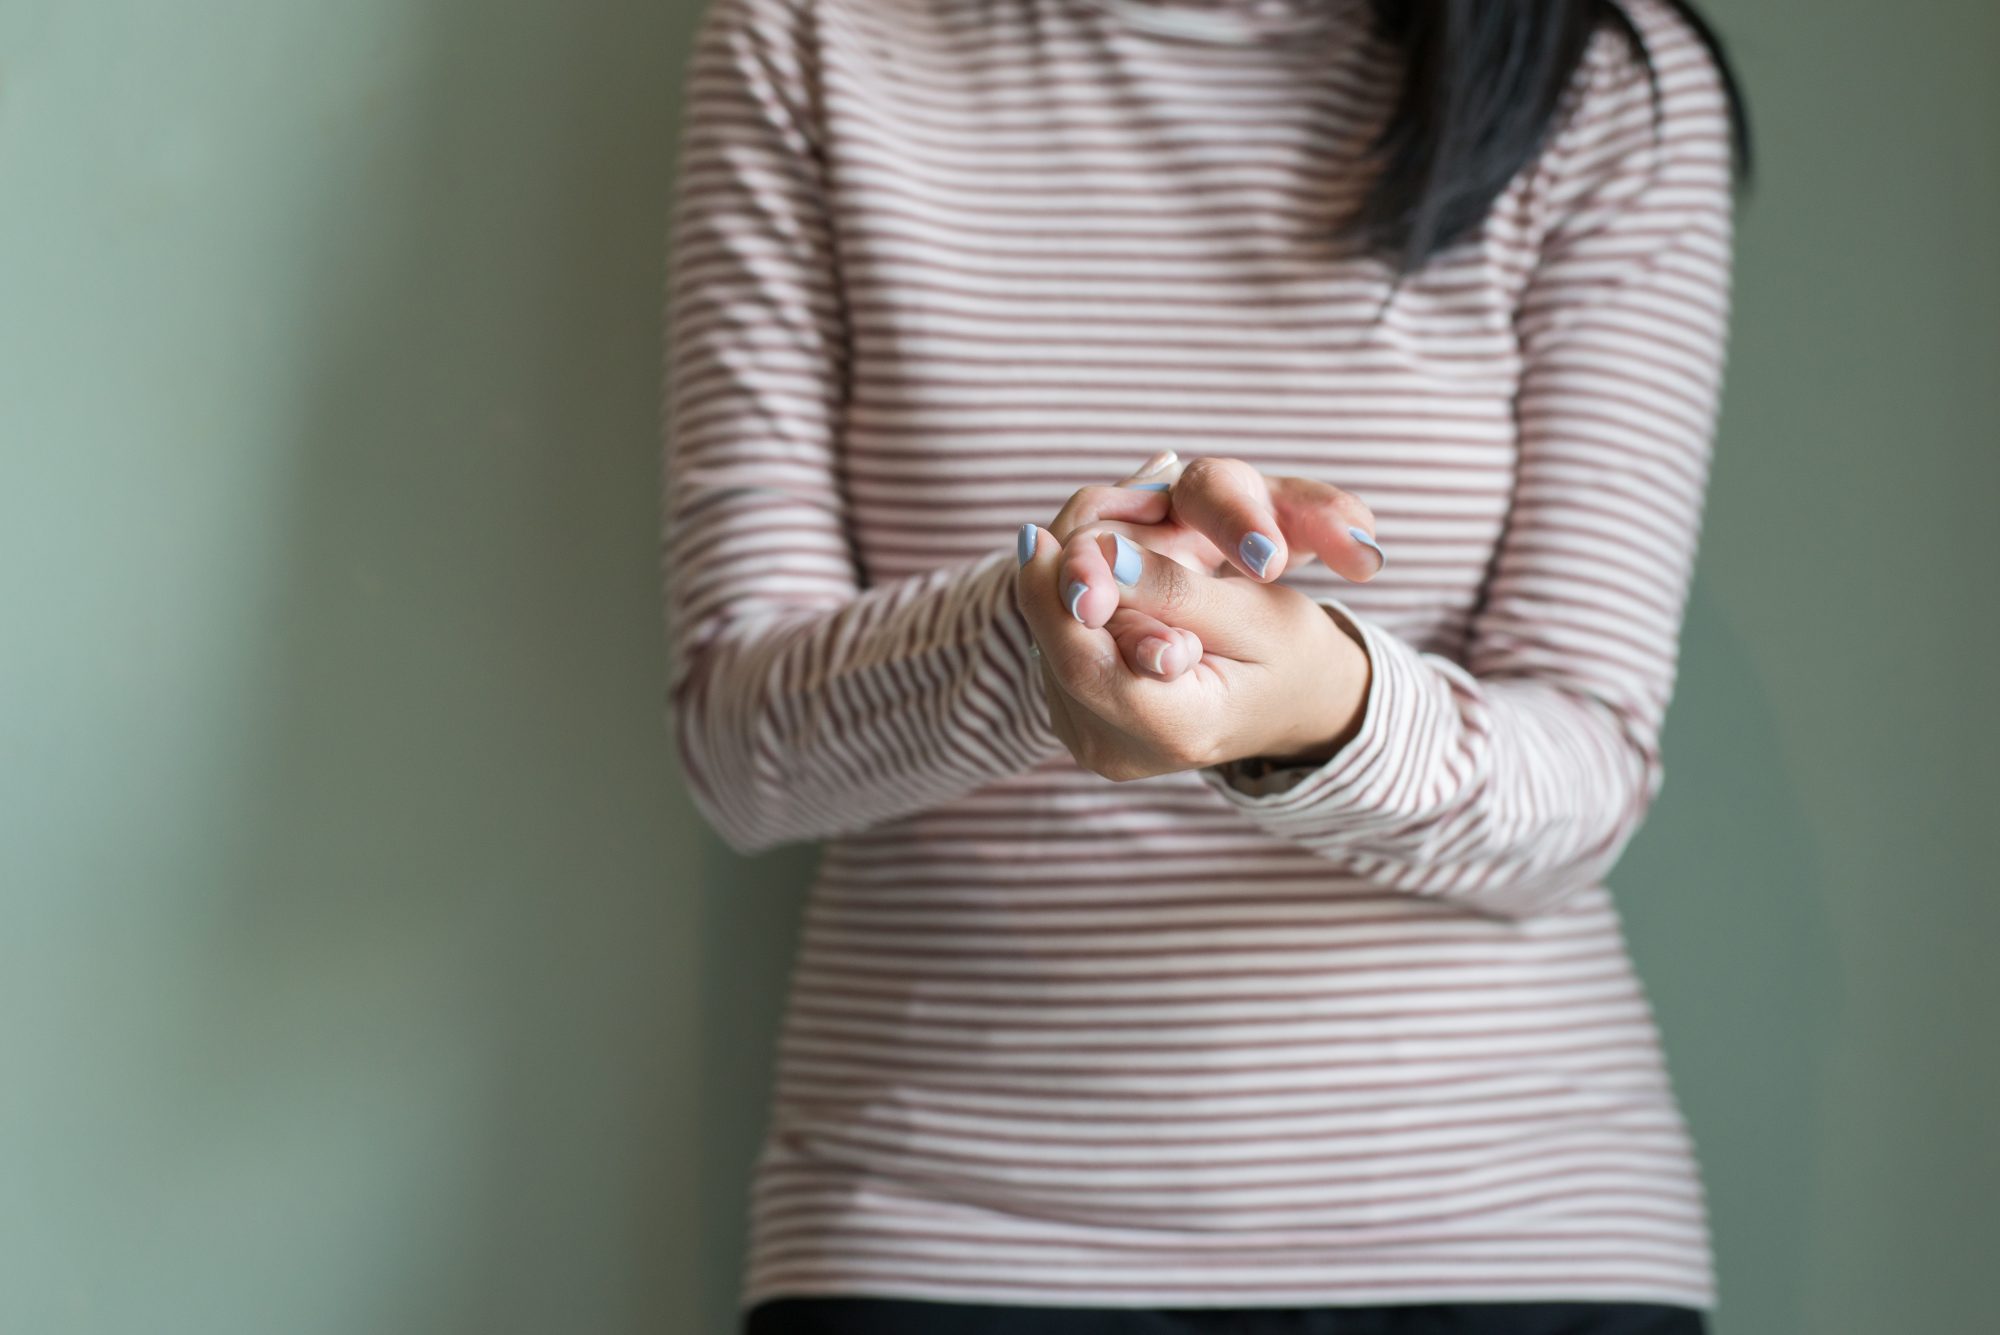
<point>456,957</point>
<point>749,934</point>
<point>1722,899</point>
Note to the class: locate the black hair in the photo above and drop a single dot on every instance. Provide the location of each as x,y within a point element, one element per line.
<point>1483,83</point>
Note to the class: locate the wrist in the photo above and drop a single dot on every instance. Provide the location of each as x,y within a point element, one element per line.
<point>1333,698</point>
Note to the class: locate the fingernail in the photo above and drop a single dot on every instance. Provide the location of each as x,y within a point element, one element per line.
<point>1129,563</point>
<point>1154,656</point>
<point>1074,595</point>
<point>1148,486</point>
<point>1024,545</point>
<point>1157,464</point>
<point>1366,539</point>
<point>1257,551</point>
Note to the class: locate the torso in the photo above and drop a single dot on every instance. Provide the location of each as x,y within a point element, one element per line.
<point>1067,1038</point>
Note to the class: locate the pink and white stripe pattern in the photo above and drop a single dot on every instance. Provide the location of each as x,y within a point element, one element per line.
<point>1364,1033</point>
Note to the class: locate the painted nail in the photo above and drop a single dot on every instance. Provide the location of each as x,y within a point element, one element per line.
<point>1257,551</point>
<point>1024,545</point>
<point>1073,595</point>
<point>1366,539</point>
<point>1129,563</point>
<point>1148,486</point>
<point>1159,463</point>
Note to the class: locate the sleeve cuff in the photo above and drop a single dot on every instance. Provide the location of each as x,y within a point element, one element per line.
<point>1352,789</point>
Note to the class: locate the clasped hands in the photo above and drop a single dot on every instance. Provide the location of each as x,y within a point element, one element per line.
<point>1164,643</point>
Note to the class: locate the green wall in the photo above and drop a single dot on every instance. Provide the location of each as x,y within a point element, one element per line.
<point>363,967</point>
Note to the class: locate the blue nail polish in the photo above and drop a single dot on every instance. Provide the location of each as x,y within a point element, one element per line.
<point>1129,563</point>
<point>1073,595</point>
<point>1366,539</point>
<point>1257,551</point>
<point>1024,545</point>
<point>1149,486</point>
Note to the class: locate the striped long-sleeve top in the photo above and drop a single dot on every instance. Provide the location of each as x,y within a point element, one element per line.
<point>1370,1032</point>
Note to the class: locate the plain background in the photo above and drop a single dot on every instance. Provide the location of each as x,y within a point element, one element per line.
<point>363,966</point>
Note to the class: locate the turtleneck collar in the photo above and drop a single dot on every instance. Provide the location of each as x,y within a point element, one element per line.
<point>1237,21</point>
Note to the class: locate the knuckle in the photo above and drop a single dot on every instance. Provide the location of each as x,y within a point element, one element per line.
<point>1083,507</point>
<point>1175,593</point>
<point>1203,471</point>
<point>1221,469</point>
<point>1352,508</point>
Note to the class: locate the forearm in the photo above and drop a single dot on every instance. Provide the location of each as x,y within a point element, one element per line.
<point>1502,794</point>
<point>800,725</point>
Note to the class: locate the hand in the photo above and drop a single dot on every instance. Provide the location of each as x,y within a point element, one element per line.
<point>1277,675</point>
<point>1218,515</point>
<point>1223,514</point>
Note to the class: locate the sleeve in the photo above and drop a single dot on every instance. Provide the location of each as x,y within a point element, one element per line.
<point>1508,781</point>
<point>803,704</point>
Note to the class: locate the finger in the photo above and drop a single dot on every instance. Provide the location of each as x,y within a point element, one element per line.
<point>1158,473</point>
<point>1096,502</point>
<point>1078,656</point>
<point>1089,583</point>
<point>1335,524</point>
<point>1186,545</point>
<point>1189,546</point>
<point>1137,498</point>
<point>1170,539</point>
<point>1231,617</point>
<point>1229,501</point>
<point>1152,648</point>
<point>1157,470</point>
<point>1086,578</point>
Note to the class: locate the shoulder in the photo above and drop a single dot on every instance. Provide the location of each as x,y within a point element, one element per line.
<point>1648,66</point>
<point>1645,122</point>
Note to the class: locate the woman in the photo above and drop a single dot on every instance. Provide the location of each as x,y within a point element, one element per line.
<point>1207,938</point>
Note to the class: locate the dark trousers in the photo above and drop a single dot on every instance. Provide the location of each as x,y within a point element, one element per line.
<point>902,1316</point>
